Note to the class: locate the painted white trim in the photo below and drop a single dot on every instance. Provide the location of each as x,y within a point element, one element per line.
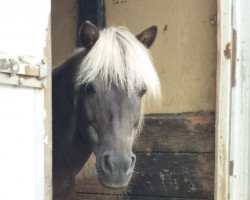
<point>232,165</point>
<point>223,100</point>
<point>39,139</point>
<point>240,105</point>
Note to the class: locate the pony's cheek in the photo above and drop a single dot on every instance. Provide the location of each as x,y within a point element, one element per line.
<point>88,111</point>
<point>94,138</point>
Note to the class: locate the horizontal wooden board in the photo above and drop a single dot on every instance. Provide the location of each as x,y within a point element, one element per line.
<point>122,197</point>
<point>189,132</point>
<point>172,175</point>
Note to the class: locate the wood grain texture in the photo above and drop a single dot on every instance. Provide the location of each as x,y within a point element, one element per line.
<point>172,175</point>
<point>189,132</point>
<point>123,197</point>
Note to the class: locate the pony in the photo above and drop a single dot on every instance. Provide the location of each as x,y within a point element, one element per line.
<point>97,104</point>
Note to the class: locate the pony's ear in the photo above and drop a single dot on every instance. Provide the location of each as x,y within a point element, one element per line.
<point>148,36</point>
<point>88,34</point>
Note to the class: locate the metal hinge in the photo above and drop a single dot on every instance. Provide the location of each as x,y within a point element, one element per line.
<point>28,71</point>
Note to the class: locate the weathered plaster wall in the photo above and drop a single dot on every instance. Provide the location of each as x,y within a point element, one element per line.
<point>184,51</point>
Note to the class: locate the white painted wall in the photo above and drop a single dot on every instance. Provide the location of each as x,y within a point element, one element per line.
<point>21,143</point>
<point>24,111</point>
<point>23,26</point>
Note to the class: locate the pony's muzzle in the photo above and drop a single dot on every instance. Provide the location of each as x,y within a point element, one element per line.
<point>117,169</point>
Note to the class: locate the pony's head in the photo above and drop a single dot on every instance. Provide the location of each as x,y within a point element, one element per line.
<point>112,79</point>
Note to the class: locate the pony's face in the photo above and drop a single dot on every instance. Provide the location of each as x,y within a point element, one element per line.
<point>112,119</point>
<point>111,115</point>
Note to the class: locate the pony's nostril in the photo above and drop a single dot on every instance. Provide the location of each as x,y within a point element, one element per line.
<point>133,159</point>
<point>107,164</point>
<point>132,165</point>
<point>114,164</point>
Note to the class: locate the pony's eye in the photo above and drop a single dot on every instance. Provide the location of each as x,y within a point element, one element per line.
<point>89,89</point>
<point>142,92</point>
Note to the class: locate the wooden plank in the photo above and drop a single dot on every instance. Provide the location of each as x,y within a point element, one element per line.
<point>177,133</point>
<point>175,175</point>
<point>223,98</point>
<point>122,197</point>
<point>239,186</point>
<point>48,188</point>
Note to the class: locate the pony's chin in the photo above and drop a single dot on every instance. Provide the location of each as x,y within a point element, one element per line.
<point>113,185</point>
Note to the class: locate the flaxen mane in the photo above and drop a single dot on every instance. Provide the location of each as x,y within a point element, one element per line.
<point>119,58</point>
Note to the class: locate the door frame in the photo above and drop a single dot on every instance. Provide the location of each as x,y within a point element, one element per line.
<point>232,148</point>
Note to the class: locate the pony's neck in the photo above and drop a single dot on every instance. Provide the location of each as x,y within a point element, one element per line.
<point>69,152</point>
<point>68,164</point>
